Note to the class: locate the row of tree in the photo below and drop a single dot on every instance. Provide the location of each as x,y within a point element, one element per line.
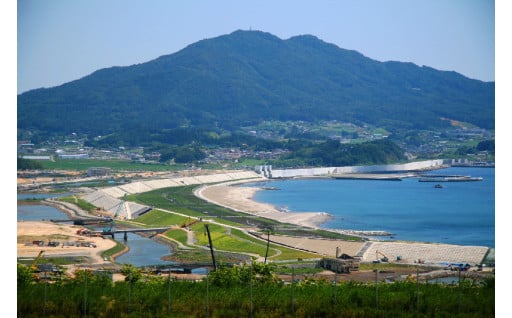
<point>245,291</point>
<point>333,153</point>
<point>27,164</point>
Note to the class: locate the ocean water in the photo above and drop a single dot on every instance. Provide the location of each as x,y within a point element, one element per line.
<point>460,213</point>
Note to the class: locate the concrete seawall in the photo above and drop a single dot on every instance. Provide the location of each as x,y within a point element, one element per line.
<point>326,171</point>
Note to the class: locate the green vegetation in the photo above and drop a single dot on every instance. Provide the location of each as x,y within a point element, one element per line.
<point>203,256</point>
<point>182,200</point>
<point>333,154</point>
<point>168,202</point>
<point>57,261</point>
<point>262,78</point>
<point>115,165</point>
<point>235,241</point>
<point>256,99</point>
<point>300,268</point>
<point>114,250</point>
<point>178,235</point>
<point>224,238</point>
<point>27,164</point>
<point>160,218</point>
<point>81,203</point>
<point>245,291</point>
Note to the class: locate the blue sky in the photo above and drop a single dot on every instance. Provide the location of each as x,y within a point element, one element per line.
<point>60,40</point>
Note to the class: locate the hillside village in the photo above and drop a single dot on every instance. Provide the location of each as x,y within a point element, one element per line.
<point>423,145</point>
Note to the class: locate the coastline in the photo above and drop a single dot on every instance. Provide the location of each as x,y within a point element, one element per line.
<point>406,252</point>
<point>234,195</point>
<point>241,199</point>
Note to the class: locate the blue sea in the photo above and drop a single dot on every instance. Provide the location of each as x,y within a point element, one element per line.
<point>461,213</point>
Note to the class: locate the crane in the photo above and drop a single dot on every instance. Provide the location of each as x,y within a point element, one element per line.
<point>108,230</point>
<point>34,264</point>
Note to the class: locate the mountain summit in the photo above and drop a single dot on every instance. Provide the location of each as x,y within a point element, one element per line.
<point>249,76</point>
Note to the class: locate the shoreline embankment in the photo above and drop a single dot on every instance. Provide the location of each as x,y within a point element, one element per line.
<point>403,168</point>
<point>244,202</point>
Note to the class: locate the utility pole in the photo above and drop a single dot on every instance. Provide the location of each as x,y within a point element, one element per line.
<point>211,246</point>
<point>268,244</point>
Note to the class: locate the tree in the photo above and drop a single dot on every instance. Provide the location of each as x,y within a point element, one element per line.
<point>25,275</point>
<point>257,272</point>
<point>27,164</point>
<point>486,145</point>
<point>131,273</point>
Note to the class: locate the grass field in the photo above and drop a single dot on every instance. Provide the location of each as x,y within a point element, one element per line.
<point>114,164</point>
<point>179,207</point>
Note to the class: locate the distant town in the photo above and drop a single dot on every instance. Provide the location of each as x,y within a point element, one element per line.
<point>419,145</point>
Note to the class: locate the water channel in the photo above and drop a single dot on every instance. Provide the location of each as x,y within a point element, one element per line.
<point>143,251</point>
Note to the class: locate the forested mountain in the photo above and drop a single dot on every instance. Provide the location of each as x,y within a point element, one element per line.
<point>245,77</point>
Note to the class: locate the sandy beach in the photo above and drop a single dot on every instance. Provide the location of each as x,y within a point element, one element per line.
<point>241,199</point>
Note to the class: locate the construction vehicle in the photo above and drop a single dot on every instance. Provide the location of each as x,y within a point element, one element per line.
<point>459,267</point>
<point>83,231</point>
<point>36,260</point>
<point>38,242</point>
<point>383,259</point>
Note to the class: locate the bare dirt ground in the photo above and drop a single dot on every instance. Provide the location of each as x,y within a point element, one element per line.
<point>29,231</point>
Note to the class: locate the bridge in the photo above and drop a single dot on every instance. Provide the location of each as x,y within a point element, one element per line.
<point>112,232</point>
<point>86,221</point>
<point>185,268</point>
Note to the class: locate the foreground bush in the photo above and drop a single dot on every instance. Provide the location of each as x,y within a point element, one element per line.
<point>254,293</point>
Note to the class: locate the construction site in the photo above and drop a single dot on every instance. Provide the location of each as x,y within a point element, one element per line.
<point>335,256</point>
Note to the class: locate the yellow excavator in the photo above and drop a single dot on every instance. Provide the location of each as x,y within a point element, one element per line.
<point>34,267</point>
<point>383,259</point>
<point>36,260</point>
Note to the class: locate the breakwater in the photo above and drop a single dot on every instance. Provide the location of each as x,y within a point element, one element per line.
<point>462,213</point>
<point>418,166</point>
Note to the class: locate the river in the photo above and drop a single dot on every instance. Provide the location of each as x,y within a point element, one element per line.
<point>143,251</point>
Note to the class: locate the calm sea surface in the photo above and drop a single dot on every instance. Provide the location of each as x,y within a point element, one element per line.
<point>460,213</point>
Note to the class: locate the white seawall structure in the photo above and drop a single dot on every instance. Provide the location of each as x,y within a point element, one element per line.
<point>267,171</point>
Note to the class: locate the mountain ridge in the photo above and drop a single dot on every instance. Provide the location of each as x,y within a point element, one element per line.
<point>248,76</point>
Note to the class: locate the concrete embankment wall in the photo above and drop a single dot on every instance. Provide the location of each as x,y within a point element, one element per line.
<point>411,166</point>
<point>109,198</point>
